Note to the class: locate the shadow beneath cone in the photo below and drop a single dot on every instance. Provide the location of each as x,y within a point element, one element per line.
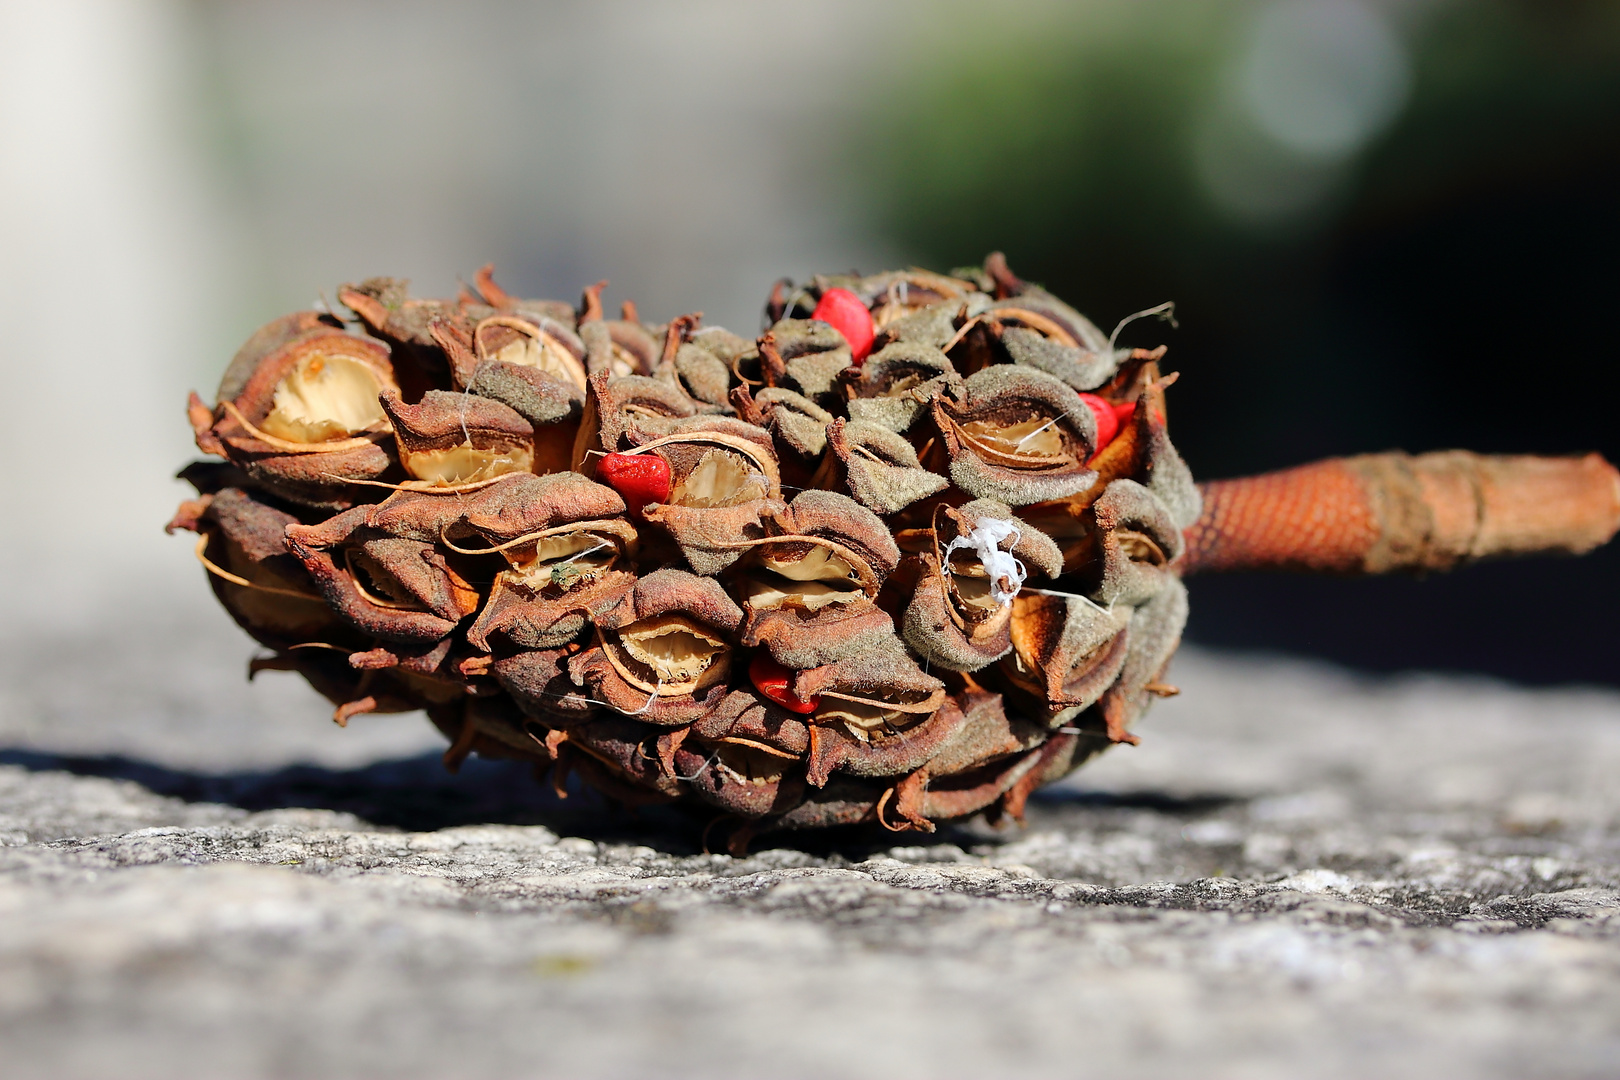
<point>417,794</point>
<point>414,794</point>
<point>1157,801</point>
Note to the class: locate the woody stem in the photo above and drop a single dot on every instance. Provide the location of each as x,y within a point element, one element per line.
<point>1381,512</point>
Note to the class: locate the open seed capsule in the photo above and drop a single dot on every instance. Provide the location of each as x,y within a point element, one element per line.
<point>1066,653</point>
<point>298,412</point>
<point>959,611</point>
<point>1018,436</point>
<point>397,589</point>
<point>615,347</point>
<point>536,372</point>
<point>567,551</point>
<point>866,700</point>
<point>538,681</point>
<point>724,480</point>
<point>808,587</point>
<point>745,756</point>
<point>896,384</point>
<point>663,653</point>
<point>451,440</point>
<point>619,412</point>
<point>804,355</point>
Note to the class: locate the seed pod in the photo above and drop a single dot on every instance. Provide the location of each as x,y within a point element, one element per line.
<point>804,355</point>
<point>877,467</point>
<point>538,681</point>
<point>455,440</point>
<point>568,555</point>
<point>1066,653</point>
<point>619,412</point>
<point>961,794</point>
<point>405,323</point>
<point>492,727</point>
<point>1162,468</point>
<point>617,347</point>
<point>798,426</point>
<point>243,543</point>
<point>896,295</point>
<point>988,735</point>
<point>745,716</point>
<point>846,800</point>
<point>725,480</point>
<point>959,614</point>
<point>867,700</point>
<point>1136,541</point>
<point>886,751</point>
<point>539,372</point>
<point>938,325</point>
<point>896,384</point>
<point>613,758</point>
<point>526,341</point>
<point>704,363</point>
<point>1032,327</point>
<point>298,412</point>
<point>532,612</point>
<point>389,587</point>
<point>1155,635</point>
<point>1141,452</point>
<point>744,756</point>
<point>808,587</point>
<point>1018,436</point>
<point>663,653</point>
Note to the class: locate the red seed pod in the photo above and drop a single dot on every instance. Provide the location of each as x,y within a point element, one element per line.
<point>1109,420</point>
<point>847,314</point>
<point>640,478</point>
<point>771,679</point>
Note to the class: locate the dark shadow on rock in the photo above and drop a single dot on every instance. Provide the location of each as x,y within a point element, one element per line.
<point>415,794</point>
<point>1157,801</point>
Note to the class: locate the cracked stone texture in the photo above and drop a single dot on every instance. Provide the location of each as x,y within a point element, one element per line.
<point>1299,872</point>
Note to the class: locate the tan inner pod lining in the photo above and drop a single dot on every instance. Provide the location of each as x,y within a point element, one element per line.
<point>465,464</point>
<point>721,478</point>
<point>519,342</point>
<point>749,764</point>
<point>672,653</point>
<point>818,579</point>
<point>1139,547</point>
<point>588,554</point>
<point>325,397</point>
<point>1036,439</point>
<point>864,720</point>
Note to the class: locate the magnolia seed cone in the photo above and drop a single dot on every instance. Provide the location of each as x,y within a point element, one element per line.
<point>913,552</point>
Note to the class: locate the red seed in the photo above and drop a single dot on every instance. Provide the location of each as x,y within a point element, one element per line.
<point>1107,418</point>
<point>847,314</point>
<point>1124,413</point>
<point>640,478</point>
<point>772,679</point>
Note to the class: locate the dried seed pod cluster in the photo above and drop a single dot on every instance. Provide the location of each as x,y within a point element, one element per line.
<point>908,555</point>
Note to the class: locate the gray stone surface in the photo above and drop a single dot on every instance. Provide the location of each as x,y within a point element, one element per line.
<point>1296,873</point>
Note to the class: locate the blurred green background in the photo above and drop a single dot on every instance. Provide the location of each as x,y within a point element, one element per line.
<point>1384,226</point>
<point>1385,223</point>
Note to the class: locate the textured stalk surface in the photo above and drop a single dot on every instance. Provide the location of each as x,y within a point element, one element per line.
<point>1378,513</point>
